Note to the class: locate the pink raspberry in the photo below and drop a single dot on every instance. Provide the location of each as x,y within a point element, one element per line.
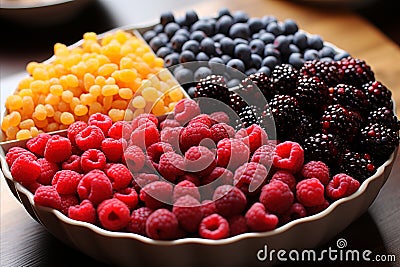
<point>214,227</point>
<point>185,188</point>
<point>316,169</point>
<point>276,196</point>
<point>142,179</point>
<point>47,196</point>
<point>220,131</point>
<point>68,201</point>
<point>66,181</point>
<point>208,207</point>
<point>237,225</point>
<point>95,186</point>
<point>162,224</point>
<point>90,137</point>
<point>33,187</point>
<point>93,159</point>
<point>286,177</point>
<point>203,118</point>
<point>171,165</point>
<point>288,156</point>
<point>145,135</point>
<point>24,170</point>
<point>73,164</point>
<point>144,119</point>
<point>229,200</point>
<point>102,121</point>
<point>155,151</point>
<point>185,110</point>
<point>37,144</point>
<point>16,151</point>
<point>113,149</point>
<point>128,196</point>
<point>310,192</point>
<point>295,211</point>
<point>137,223</point>
<point>200,160</point>
<point>169,123</point>
<point>58,149</point>
<point>220,117</point>
<point>317,209</point>
<point>120,176</point>
<point>193,135</point>
<point>264,155</point>
<point>47,171</point>
<point>120,129</point>
<point>113,214</point>
<point>219,176</point>
<point>254,136</point>
<point>84,212</point>
<point>171,136</point>
<point>134,158</point>
<point>259,220</point>
<point>74,129</point>
<point>341,185</point>
<point>231,153</point>
<point>188,212</point>
<point>156,194</point>
<point>189,177</point>
<point>250,177</point>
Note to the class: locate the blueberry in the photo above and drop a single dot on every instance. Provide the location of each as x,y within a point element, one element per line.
<point>296,60</point>
<point>224,12</point>
<point>255,36</point>
<point>232,83</point>
<point>158,28</point>
<point>190,17</point>
<point>250,71</point>
<point>163,36</point>
<point>255,25</point>
<point>192,91</point>
<point>236,64</point>
<point>239,30</point>
<point>282,44</point>
<point>265,69</point>
<point>294,49</point>
<point>164,51</point>
<point>177,42</point>
<point>183,75</point>
<point>186,56</point>
<point>218,37</point>
<point>217,65</point>
<point>223,24</point>
<point>198,36</point>
<point>315,42</point>
<point>268,19</point>
<point>290,26</point>
<point>240,16</point>
<point>171,60</point>
<point>227,45</point>
<point>226,58</point>
<point>166,18</point>
<point>156,43</point>
<point>267,37</point>
<point>201,56</point>
<point>242,52</point>
<point>191,45</point>
<point>326,51</point>
<point>183,32</point>
<point>270,50</point>
<point>204,26</point>
<point>341,55</point>
<point>147,36</point>
<point>240,41</point>
<point>171,28</point>
<point>270,62</point>
<point>181,21</point>
<point>257,47</point>
<point>275,28</point>
<point>311,54</point>
<point>326,59</point>
<point>201,73</point>
<point>207,46</point>
<point>256,61</point>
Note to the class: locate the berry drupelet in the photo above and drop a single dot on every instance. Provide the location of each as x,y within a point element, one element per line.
<point>309,91</point>
<point>385,116</point>
<point>357,165</point>
<point>284,79</point>
<point>377,94</point>
<point>355,71</point>
<point>349,96</point>
<point>327,72</point>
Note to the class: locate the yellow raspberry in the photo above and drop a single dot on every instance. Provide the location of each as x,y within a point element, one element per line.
<point>67,118</point>
<point>23,134</point>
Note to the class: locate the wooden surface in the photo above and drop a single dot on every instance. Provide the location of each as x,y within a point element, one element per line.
<point>26,243</point>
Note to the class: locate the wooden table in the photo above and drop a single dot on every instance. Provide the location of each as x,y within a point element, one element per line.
<point>26,243</point>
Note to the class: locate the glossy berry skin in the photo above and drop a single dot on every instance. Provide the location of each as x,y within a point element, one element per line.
<point>359,166</point>
<point>378,95</point>
<point>284,79</point>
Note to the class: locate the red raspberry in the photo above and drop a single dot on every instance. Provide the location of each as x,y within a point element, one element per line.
<point>144,119</point>
<point>47,171</point>
<point>193,135</point>
<point>113,214</point>
<point>162,224</point>
<point>220,117</point>
<point>171,136</point>
<point>120,176</point>
<point>316,209</point>
<point>289,156</point>
<point>250,177</point>
<point>128,196</point>
<point>134,158</point>
<point>47,196</point>
<point>24,170</point>
<point>95,186</point>
<point>220,131</point>
<point>113,149</point>
<point>254,136</point>
<point>310,192</point>
<point>214,227</point>
<point>156,194</point>
<point>58,149</point>
<point>286,177</point>
<point>68,201</point>
<point>224,176</point>
<point>169,123</point>
<point>84,212</point>
<point>185,110</point>
<point>231,153</point>
<point>188,212</point>
<point>120,129</point>
<point>316,169</point>
<point>74,129</point>
<point>295,211</point>
<point>16,151</point>
<point>200,160</point>
<point>237,225</point>
<point>33,187</point>
<point>73,164</point>
<point>93,159</point>
<point>276,196</point>
<point>229,200</point>
<point>137,223</point>
<point>102,121</point>
<point>145,135</point>
<point>66,181</point>
<point>259,220</point>
<point>90,137</point>
<point>171,165</point>
<point>190,178</point>
<point>208,207</point>
<point>264,155</point>
<point>203,118</point>
<point>141,179</point>
<point>37,144</point>
<point>185,188</point>
<point>155,151</point>
<point>341,185</point>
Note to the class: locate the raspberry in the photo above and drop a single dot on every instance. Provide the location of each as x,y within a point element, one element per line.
<point>285,177</point>
<point>16,151</point>
<point>208,207</point>
<point>162,225</point>
<point>219,176</point>
<point>316,209</point>
<point>120,129</point>
<point>90,137</point>
<point>95,186</point>
<point>68,201</point>
<point>193,135</point>
<point>171,136</point>
<point>134,158</point>
<point>276,196</point>
<point>220,117</point>
<point>128,196</point>
<point>188,212</point>
<point>199,160</point>
<point>171,165</point>
<point>220,131</point>
<point>237,225</point>
<point>295,211</point>
<point>185,188</point>
<point>74,129</point>
<point>113,214</point>
<point>232,153</point>
<point>141,179</point>
<point>155,151</point>
<point>58,149</point>
<point>288,156</point>
<point>144,119</point>
<point>24,170</point>
<point>250,177</point>
<point>316,169</point>
<point>169,123</point>
<point>37,144</point>
<point>185,110</point>
<point>189,177</point>
<point>341,185</point>
<point>254,136</point>
<point>33,187</point>
<point>264,155</point>
<point>310,192</point>
<point>73,164</point>
<point>113,149</point>
<point>145,135</point>
<point>156,194</point>
<point>229,200</point>
<point>203,118</point>
<point>66,181</point>
<point>137,223</point>
<point>214,227</point>
<point>259,220</point>
<point>47,171</point>
<point>120,176</point>
<point>93,159</point>
<point>47,196</point>
<point>102,121</point>
<point>84,212</point>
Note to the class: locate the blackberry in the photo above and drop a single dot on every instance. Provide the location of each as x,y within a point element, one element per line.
<point>377,94</point>
<point>358,165</point>
<point>355,71</point>
<point>327,72</point>
<point>323,147</point>
<point>384,116</point>
<point>349,96</point>
<point>213,86</point>
<point>284,79</point>
<point>249,115</point>
<point>236,102</point>
<point>308,125</point>
<point>310,91</point>
<point>262,81</point>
